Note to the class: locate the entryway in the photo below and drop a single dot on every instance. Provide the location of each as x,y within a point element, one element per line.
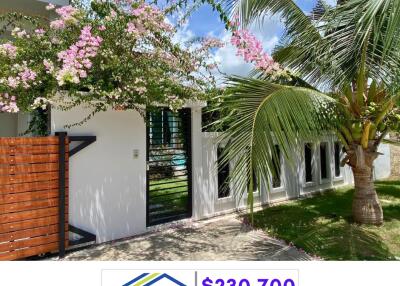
<point>221,239</point>
<point>169,166</point>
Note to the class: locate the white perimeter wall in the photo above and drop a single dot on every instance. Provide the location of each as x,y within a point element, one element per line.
<point>382,163</point>
<point>107,185</point>
<point>293,179</point>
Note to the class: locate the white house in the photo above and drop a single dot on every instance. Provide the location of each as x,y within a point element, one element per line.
<point>140,174</point>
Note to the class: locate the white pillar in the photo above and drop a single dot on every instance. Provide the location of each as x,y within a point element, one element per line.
<point>197,159</point>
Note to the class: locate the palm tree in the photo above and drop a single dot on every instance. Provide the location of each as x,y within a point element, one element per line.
<point>345,62</point>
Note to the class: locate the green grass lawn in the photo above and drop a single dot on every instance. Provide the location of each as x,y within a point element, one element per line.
<point>323,226</point>
<point>169,194</point>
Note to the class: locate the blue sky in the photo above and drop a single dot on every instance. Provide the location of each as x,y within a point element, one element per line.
<point>205,22</point>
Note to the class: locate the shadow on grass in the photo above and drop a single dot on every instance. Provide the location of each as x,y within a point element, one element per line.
<point>388,189</point>
<point>389,194</point>
<point>323,226</point>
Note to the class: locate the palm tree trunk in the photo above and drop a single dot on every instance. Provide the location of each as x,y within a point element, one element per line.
<point>366,206</point>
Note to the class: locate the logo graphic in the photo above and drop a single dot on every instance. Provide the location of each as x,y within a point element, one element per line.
<point>148,279</point>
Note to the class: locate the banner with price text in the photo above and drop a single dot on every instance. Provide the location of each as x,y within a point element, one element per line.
<point>215,277</point>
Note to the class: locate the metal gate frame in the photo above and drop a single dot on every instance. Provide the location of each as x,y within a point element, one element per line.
<point>85,237</point>
<point>187,117</point>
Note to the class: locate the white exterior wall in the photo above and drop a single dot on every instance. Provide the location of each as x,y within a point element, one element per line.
<point>23,122</point>
<point>8,125</point>
<point>107,185</point>
<point>11,125</point>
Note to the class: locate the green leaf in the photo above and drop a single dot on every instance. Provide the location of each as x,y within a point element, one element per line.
<point>372,91</point>
<point>262,115</point>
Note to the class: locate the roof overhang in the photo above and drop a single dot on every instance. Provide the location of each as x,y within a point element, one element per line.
<point>30,7</point>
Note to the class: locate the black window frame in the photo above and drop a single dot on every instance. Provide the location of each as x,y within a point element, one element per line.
<point>278,169</point>
<point>336,158</point>
<point>308,166</point>
<point>324,166</point>
<point>224,189</point>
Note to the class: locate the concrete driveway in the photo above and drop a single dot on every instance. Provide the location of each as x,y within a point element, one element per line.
<point>219,239</point>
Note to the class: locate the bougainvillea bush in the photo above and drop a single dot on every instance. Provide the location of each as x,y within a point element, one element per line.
<point>112,54</point>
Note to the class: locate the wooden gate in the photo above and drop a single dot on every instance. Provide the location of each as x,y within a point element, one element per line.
<point>31,191</point>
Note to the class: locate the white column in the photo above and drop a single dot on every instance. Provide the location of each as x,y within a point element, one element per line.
<point>198,199</point>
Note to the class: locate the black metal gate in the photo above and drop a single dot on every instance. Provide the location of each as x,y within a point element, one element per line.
<point>169,166</point>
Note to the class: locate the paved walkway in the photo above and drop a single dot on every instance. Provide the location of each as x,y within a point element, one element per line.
<point>222,239</point>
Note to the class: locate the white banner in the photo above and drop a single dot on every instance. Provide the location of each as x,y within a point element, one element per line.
<point>227,273</point>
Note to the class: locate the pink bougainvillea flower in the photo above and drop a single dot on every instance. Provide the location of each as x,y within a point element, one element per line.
<point>141,89</point>
<point>25,77</point>
<point>77,58</point>
<point>49,66</point>
<point>57,24</point>
<point>252,51</point>
<point>131,28</point>
<point>22,34</point>
<point>12,82</point>
<point>71,55</point>
<point>8,50</point>
<point>210,42</point>
<point>113,14</point>
<point>8,103</point>
<point>66,12</point>
<point>40,32</point>
<point>67,15</point>
<point>138,11</point>
<point>50,7</point>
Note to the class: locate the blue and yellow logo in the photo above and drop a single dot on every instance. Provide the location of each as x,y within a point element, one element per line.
<point>148,279</point>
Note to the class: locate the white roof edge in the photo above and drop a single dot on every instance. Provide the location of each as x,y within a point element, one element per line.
<point>194,104</point>
<point>56,2</point>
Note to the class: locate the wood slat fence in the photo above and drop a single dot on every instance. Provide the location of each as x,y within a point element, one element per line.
<point>30,195</point>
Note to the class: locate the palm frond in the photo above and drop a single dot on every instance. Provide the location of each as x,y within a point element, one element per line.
<point>251,11</point>
<point>346,31</point>
<point>305,60</point>
<point>374,24</point>
<point>319,10</point>
<point>262,115</point>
